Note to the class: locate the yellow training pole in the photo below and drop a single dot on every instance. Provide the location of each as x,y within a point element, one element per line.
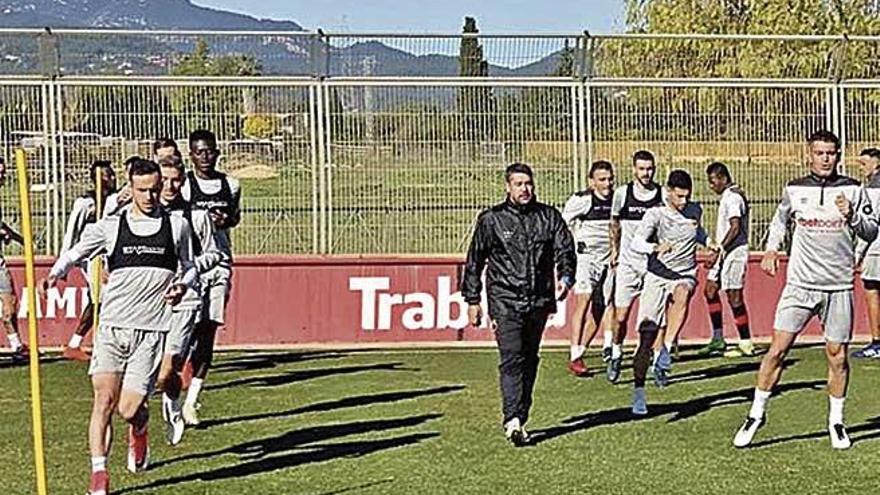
<point>97,265</point>
<point>33,338</point>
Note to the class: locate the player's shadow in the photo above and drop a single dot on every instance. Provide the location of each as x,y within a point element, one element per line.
<point>309,374</point>
<point>347,402</point>
<point>723,371</point>
<point>262,361</point>
<point>298,447</point>
<point>677,411</point>
<point>869,430</point>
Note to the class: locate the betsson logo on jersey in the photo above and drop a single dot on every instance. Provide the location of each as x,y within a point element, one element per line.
<point>423,311</point>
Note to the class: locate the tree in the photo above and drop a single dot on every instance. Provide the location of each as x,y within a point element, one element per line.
<point>476,105</point>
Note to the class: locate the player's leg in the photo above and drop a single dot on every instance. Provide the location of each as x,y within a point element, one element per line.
<point>712,293</point>
<point>73,350</point>
<point>872,303</point>
<point>745,347</point>
<point>169,381</point>
<point>216,298</point>
<point>9,315</point>
<point>509,336</point>
<point>532,331</point>
<point>837,321</point>
<point>106,387</point>
<point>652,309</point>
<point>138,382</point>
<point>676,316</point>
<point>579,324</point>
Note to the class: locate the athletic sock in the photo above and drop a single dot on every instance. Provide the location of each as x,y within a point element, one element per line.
<point>14,341</point>
<point>759,405</point>
<point>608,338</point>
<point>616,351</point>
<point>75,341</point>
<point>835,410</point>
<point>716,317</point>
<point>741,318</point>
<point>195,387</point>
<point>99,464</point>
<point>577,351</point>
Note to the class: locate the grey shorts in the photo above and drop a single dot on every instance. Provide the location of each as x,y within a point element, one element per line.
<point>136,354</point>
<point>182,323</point>
<point>591,277</point>
<point>628,282</point>
<point>730,271</point>
<point>6,285</point>
<point>871,268</point>
<point>797,306</point>
<point>216,285</point>
<point>655,298</point>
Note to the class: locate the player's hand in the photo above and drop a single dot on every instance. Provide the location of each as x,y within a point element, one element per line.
<point>712,258</point>
<point>843,206</point>
<point>124,196</point>
<point>770,263</point>
<point>562,290</point>
<point>45,284</point>
<point>475,315</point>
<point>174,294</point>
<point>663,248</point>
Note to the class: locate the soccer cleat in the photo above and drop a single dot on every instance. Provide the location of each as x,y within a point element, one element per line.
<point>715,347</point>
<point>99,484</point>
<point>138,449</point>
<point>578,368</point>
<point>612,372</point>
<point>606,354</point>
<point>870,351</point>
<point>22,355</point>
<point>747,431</point>
<point>191,414</point>
<point>839,437</point>
<point>76,354</point>
<point>174,423</point>
<point>639,402</point>
<point>514,432</point>
<point>661,376</point>
<point>743,349</point>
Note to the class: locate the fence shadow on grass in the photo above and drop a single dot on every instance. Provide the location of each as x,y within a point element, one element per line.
<point>347,402</point>
<point>309,374</point>
<point>677,411</point>
<point>296,448</point>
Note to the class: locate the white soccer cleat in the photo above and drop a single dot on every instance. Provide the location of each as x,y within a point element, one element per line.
<point>747,431</point>
<point>839,438</point>
<point>174,423</point>
<point>639,402</point>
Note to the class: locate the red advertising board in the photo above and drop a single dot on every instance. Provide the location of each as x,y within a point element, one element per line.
<point>326,300</point>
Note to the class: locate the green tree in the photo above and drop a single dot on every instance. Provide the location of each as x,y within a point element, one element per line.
<point>476,105</point>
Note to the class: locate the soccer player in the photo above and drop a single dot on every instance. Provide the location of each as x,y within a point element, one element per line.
<point>670,235</point>
<point>628,206</point>
<point>521,241</point>
<point>727,263</point>
<point>8,299</point>
<point>146,248</point>
<point>82,214</point>
<point>161,148</point>
<point>868,254</point>
<point>219,194</point>
<point>184,315</point>
<point>588,214</point>
<point>828,210</point>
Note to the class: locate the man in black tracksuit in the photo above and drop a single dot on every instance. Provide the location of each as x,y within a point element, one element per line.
<point>522,240</point>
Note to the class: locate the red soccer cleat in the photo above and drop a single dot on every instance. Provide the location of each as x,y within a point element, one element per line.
<point>578,368</point>
<point>138,450</point>
<point>100,484</point>
<point>76,354</point>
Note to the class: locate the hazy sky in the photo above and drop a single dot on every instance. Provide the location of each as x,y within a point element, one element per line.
<point>493,16</point>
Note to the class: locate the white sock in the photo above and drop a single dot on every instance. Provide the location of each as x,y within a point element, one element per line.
<point>75,341</point>
<point>745,342</point>
<point>639,392</point>
<point>616,351</point>
<point>835,410</point>
<point>195,388</point>
<point>576,352</point>
<point>608,338</point>
<point>14,341</point>
<point>759,404</point>
<point>99,464</point>
<point>717,333</point>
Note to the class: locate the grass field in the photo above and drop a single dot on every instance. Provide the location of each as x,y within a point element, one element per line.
<point>427,422</point>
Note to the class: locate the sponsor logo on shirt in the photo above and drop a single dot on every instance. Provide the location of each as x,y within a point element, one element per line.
<point>141,250</point>
<point>822,223</point>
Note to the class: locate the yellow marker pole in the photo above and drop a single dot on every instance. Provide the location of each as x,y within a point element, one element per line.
<point>97,265</point>
<point>33,338</point>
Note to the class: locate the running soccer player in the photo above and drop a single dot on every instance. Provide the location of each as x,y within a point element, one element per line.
<point>727,264</point>
<point>828,211</point>
<point>8,299</point>
<point>219,194</point>
<point>184,315</point>
<point>147,249</point>
<point>670,278</point>
<point>588,214</point>
<point>628,206</point>
<point>868,254</point>
<point>82,214</point>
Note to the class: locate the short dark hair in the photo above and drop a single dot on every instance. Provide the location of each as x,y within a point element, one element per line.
<point>872,152</point>
<point>142,167</point>
<point>719,169</point>
<point>128,161</point>
<point>518,168</point>
<point>203,135</point>
<point>174,161</point>
<point>99,164</point>
<point>643,155</point>
<point>164,143</point>
<point>601,165</point>
<point>680,179</point>
<point>823,136</point>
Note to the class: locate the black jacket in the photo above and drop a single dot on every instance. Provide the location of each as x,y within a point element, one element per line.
<point>522,245</point>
